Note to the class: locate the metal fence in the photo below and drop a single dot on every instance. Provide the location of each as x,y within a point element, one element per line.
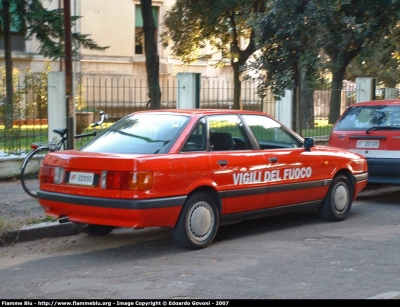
<point>118,96</point>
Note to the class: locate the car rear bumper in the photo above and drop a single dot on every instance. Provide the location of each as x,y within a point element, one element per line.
<point>161,212</point>
<point>384,171</point>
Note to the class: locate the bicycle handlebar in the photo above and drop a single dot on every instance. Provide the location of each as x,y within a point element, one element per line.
<point>63,132</point>
<point>100,122</point>
<point>78,136</point>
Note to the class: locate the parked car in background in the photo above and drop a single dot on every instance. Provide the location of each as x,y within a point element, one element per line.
<point>193,170</point>
<point>372,129</point>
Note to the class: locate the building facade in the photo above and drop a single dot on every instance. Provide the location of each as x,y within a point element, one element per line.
<point>117,24</point>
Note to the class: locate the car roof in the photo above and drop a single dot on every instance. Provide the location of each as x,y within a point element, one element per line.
<point>384,102</point>
<point>200,112</point>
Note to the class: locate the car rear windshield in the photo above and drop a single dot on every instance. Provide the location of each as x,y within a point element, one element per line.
<point>366,117</point>
<point>139,134</point>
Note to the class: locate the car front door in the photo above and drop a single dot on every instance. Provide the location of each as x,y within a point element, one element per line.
<point>293,175</point>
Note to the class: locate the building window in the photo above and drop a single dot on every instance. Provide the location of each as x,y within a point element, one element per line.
<point>139,35</point>
<point>17,36</point>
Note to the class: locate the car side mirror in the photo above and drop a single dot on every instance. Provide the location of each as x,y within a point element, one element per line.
<point>308,143</point>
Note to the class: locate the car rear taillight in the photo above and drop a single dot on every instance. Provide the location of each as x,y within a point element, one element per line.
<point>51,174</point>
<point>142,180</point>
<point>112,180</point>
<point>137,180</point>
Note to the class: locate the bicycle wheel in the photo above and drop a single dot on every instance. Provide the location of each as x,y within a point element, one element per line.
<point>30,170</point>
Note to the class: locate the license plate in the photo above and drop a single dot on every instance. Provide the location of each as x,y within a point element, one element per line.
<point>81,178</point>
<point>367,144</point>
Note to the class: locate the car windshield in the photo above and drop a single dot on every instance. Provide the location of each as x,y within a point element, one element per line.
<point>366,117</point>
<point>139,134</point>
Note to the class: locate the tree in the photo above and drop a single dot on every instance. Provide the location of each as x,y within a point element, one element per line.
<point>379,59</point>
<point>152,58</point>
<point>192,25</point>
<point>345,28</point>
<point>32,19</point>
<point>289,57</point>
<point>296,37</point>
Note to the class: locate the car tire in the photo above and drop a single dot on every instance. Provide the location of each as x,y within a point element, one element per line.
<point>95,230</point>
<point>198,222</point>
<point>337,203</point>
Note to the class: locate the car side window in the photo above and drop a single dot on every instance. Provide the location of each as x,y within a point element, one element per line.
<point>198,139</point>
<point>270,134</point>
<point>226,132</point>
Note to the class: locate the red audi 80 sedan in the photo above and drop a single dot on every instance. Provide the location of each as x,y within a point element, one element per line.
<point>194,170</point>
<point>372,129</point>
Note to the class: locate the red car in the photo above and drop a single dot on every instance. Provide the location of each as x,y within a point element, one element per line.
<point>193,170</point>
<point>372,129</point>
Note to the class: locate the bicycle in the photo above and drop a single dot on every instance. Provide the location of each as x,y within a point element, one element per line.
<point>32,162</point>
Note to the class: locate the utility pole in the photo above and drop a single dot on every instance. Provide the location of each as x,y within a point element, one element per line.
<point>69,99</point>
<point>8,120</point>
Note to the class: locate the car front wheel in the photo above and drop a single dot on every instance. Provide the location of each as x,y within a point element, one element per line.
<point>338,201</point>
<point>198,223</point>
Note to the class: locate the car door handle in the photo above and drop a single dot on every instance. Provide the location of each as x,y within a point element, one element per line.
<point>273,159</point>
<point>223,162</point>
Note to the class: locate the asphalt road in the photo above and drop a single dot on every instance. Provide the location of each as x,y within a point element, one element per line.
<point>294,256</point>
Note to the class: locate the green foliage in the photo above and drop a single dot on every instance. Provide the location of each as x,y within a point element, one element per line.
<point>30,96</point>
<point>47,26</point>
<point>199,30</point>
<point>35,89</point>
<point>17,93</point>
<point>288,48</point>
<point>345,29</point>
<point>305,39</point>
<point>379,59</point>
<point>191,26</point>
<point>80,101</point>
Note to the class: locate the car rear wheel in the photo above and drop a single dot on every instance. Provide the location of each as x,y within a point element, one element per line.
<point>198,223</point>
<point>338,201</point>
<point>95,230</point>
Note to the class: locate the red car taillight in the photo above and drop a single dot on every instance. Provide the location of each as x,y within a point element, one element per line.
<point>142,180</point>
<point>51,174</point>
<point>46,174</point>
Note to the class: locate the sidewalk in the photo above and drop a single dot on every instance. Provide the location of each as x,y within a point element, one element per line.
<point>23,219</point>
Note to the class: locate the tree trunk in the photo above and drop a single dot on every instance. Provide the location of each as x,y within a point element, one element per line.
<point>306,104</point>
<point>337,86</point>
<point>340,61</point>
<point>237,87</point>
<point>242,57</point>
<point>8,110</point>
<point>152,58</point>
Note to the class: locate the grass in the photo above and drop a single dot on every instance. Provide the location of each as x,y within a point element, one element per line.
<point>18,140</point>
<point>322,128</point>
<point>7,225</point>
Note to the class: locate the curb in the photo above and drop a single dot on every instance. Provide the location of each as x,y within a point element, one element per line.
<point>39,231</point>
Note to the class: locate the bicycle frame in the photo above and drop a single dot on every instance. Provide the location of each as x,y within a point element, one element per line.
<point>30,174</point>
